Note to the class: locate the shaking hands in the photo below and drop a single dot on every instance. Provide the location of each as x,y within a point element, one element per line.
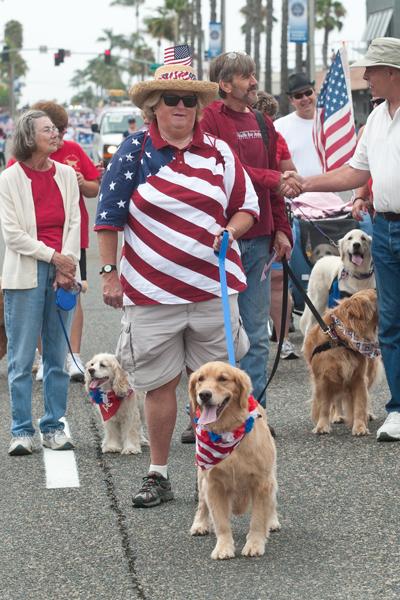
<point>290,185</point>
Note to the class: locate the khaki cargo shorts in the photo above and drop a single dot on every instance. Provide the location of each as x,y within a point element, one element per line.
<point>158,341</point>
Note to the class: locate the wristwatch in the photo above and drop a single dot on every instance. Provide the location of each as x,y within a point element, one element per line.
<point>107,269</point>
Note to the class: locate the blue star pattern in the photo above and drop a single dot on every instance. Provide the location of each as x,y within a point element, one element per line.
<point>135,160</point>
<point>333,95</point>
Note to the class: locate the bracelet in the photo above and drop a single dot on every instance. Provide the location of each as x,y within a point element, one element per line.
<point>360,198</point>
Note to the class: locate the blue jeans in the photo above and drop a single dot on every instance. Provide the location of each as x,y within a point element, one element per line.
<point>386,256</point>
<point>30,314</point>
<point>254,310</point>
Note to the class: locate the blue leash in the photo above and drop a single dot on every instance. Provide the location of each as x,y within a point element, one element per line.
<point>225,298</point>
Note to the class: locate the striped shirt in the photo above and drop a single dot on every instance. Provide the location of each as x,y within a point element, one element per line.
<point>170,203</point>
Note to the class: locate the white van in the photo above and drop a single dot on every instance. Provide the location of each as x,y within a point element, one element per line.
<point>110,128</point>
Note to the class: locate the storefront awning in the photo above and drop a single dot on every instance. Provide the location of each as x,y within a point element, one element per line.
<point>378,23</point>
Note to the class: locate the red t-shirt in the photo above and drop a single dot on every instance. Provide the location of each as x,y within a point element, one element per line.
<point>49,206</point>
<point>73,155</point>
<point>282,150</point>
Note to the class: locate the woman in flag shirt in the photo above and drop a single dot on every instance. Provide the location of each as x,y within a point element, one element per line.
<point>172,190</point>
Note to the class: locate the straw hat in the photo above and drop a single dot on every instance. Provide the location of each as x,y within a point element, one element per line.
<point>175,76</point>
<point>382,52</point>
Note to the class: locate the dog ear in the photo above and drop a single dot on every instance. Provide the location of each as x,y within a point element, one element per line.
<point>244,386</point>
<point>87,378</point>
<point>192,390</point>
<point>120,382</point>
<point>341,249</point>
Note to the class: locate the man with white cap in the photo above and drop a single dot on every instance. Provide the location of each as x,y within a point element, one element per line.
<point>172,189</point>
<point>378,155</point>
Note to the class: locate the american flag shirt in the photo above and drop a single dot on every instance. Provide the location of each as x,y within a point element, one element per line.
<point>171,203</point>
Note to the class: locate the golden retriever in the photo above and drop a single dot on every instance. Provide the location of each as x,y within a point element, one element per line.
<point>341,377</point>
<point>353,269</point>
<point>122,431</point>
<point>246,479</point>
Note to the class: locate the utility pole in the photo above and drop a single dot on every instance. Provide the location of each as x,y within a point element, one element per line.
<point>311,40</point>
<point>223,43</point>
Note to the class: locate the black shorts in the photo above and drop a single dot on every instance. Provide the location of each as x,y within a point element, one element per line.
<point>82,264</point>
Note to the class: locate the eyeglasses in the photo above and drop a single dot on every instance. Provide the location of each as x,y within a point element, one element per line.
<point>48,130</point>
<point>299,95</point>
<point>377,101</point>
<point>174,99</point>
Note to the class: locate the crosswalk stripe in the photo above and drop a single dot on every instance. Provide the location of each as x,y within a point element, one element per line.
<point>60,466</point>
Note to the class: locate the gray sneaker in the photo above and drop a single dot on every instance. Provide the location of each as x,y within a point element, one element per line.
<point>288,351</point>
<point>57,440</point>
<point>22,445</point>
<point>155,489</point>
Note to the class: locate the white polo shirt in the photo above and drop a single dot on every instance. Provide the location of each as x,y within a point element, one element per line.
<point>378,151</point>
<point>297,133</point>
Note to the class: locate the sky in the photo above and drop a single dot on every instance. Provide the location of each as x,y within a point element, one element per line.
<point>76,24</point>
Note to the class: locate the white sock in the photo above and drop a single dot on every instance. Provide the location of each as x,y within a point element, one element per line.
<point>162,469</point>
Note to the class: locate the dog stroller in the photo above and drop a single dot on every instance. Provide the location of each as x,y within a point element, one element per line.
<point>319,221</point>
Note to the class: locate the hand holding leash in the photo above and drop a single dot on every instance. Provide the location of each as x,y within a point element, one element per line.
<point>218,238</point>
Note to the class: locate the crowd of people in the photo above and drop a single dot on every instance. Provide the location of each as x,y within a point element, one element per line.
<point>202,165</point>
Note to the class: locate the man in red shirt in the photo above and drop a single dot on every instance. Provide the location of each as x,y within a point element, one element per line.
<point>233,120</point>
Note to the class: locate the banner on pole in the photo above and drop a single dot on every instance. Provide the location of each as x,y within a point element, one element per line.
<point>298,21</point>
<point>215,39</point>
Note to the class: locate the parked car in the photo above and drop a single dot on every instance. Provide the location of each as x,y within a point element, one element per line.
<point>110,128</point>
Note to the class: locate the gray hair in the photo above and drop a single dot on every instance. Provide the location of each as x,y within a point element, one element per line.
<point>266,103</point>
<point>24,142</point>
<point>226,66</point>
<point>154,98</point>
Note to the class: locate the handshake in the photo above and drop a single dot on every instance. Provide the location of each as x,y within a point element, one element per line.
<point>290,185</point>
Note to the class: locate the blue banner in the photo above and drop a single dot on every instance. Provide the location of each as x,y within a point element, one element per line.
<point>215,39</point>
<point>298,21</point>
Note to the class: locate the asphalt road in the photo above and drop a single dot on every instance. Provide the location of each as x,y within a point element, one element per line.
<point>338,506</point>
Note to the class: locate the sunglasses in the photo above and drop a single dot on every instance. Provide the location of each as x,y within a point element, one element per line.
<point>299,95</point>
<point>174,99</point>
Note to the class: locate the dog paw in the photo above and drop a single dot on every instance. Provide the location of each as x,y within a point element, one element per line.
<point>107,448</point>
<point>371,416</point>
<point>275,525</point>
<point>321,429</point>
<point>144,441</point>
<point>200,529</point>
<point>254,548</point>
<point>222,551</point>
<point>131,450</point>
<point>360,430</point>
<point>337,419</point>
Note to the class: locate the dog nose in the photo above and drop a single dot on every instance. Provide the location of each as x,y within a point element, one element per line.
<point>205,396</point>
<point>356,246</point>
<point>91,371</point>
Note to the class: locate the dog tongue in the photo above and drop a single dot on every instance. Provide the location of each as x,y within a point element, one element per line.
<point>208,415</point>
<point>357,259</point>
<point>94,384</point>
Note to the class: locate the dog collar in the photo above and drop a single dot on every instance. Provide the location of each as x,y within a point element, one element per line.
<point>345,274</point>
<point>212,448</point>
<point>365,347</point>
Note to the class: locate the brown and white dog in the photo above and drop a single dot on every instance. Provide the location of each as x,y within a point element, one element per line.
<point>342,375</point>
<point>246,478</point>
<point>108,387</point>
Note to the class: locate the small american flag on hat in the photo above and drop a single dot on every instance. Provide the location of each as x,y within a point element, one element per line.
<point>177,55</point>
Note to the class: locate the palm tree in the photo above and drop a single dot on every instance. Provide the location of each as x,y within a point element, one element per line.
<point>162,26</point>
<point>132,4</point>
<point>258,18</point>
<point>268,45</point>
<point>15,66</point>
<point>199,39</point>
<point>284,100</point>
<point>247,27</point>
<point>213,10</point>
<point>330,13</point>
<point>113,41</point>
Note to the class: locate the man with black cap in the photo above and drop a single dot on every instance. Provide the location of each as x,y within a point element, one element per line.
<point>378,156</point>
<point>296,128</point>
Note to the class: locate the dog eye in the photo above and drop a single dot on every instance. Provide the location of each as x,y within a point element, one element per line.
<point>350,237</point>
<point>102,364</point>
<point>201,378</point>
<point>222,378</point>
<point>363,238</point>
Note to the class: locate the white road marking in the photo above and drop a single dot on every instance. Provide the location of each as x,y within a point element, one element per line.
<point>60,466</point>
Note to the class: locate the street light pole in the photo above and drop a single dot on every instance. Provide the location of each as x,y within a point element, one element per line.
<point>223,43</point>
<point>311,40</point>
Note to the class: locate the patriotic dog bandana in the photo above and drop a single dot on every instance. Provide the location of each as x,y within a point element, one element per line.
<point>211,448</point>
<point>108,402</point>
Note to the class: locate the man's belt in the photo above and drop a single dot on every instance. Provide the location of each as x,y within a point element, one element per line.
<point>389,216</point>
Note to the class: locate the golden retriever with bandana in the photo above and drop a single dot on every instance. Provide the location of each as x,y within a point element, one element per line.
<point>246,478</point>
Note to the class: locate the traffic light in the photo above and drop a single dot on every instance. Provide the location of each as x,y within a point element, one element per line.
<point>5,55</point>
<point>61,55</point>
<point>107,57</point>
<point>56,59</point>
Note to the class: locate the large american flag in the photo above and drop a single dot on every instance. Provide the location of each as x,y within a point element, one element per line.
<point>334,131</point>
<point>177,55</point>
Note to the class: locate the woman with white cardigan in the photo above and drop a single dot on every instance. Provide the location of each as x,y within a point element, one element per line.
<point>40,221</point>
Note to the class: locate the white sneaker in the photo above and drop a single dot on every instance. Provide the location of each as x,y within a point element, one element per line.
<point>390,430</point>
<point>36,362</point>
<point>75,368</point>
<point>22,445</point>
<point>39,372</point>
<point>57,440</point>
<point>288,351</point>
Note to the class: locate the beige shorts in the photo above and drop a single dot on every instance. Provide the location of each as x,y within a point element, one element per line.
<point>158,341</point>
